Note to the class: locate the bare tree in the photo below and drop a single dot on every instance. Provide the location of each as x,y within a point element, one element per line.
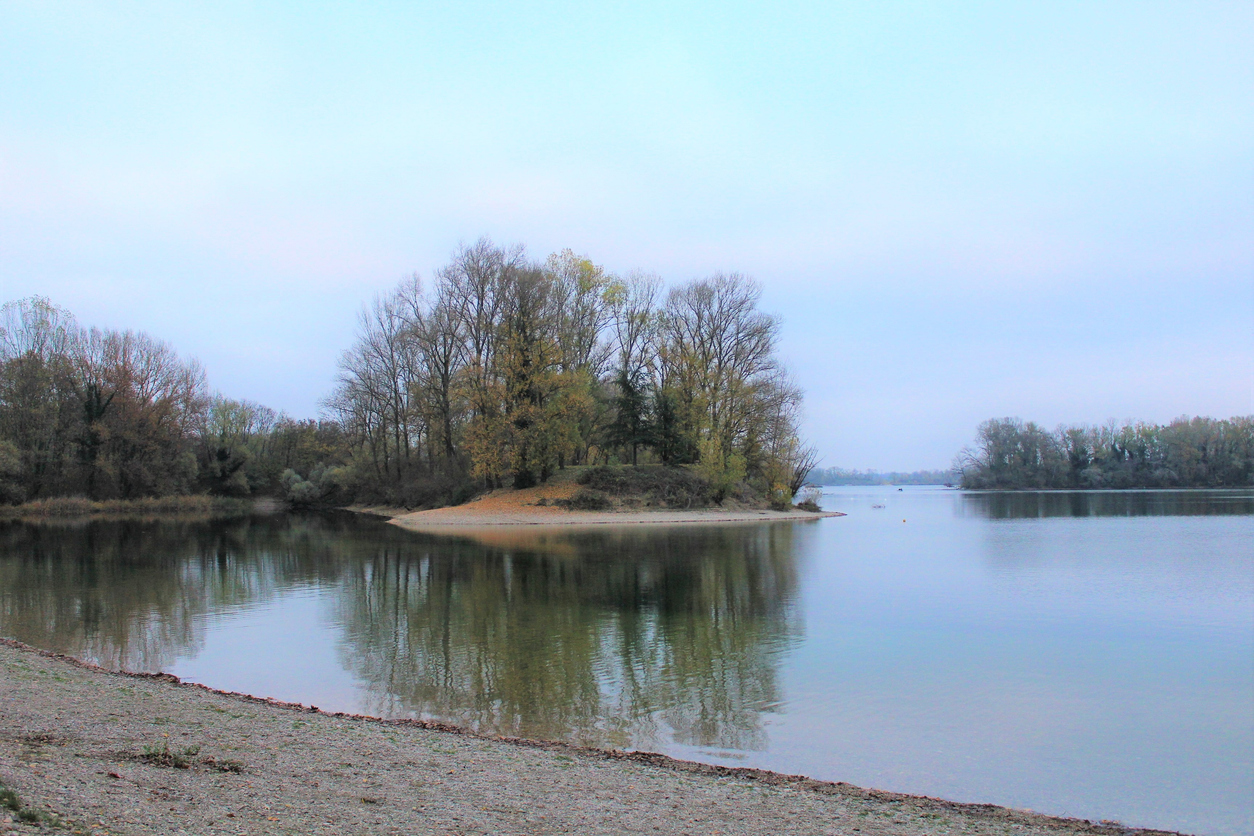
<point>440,338</point>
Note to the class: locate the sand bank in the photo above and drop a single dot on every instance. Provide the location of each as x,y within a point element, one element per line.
<point>536,507</point>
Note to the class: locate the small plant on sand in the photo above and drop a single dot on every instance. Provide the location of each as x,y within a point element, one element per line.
<point>10,801</point>
<point>163,755</point>
<point>223,765</point>
<point>185,758</point>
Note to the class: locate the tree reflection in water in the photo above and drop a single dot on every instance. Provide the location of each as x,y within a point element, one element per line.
<point>133,594</point>
<point>1007,505</point>
<point>619,637</point>
<point>616,637</point>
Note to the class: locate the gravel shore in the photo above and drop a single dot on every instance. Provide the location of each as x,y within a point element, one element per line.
<point>118,753</point>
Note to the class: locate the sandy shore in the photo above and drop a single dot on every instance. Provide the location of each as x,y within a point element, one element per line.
<point>534,507</point>
<point>73,740</point>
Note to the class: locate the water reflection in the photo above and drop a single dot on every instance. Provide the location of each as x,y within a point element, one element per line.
<point>133,595</point>
<point>619,638</point>
<point>1040,504</point>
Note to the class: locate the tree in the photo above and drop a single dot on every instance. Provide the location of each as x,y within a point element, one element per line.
<point>528,368</point>
<point>718,361</point>
<point>38,341</point>
<point>631,427</point>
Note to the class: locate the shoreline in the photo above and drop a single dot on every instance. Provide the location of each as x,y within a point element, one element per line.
<point>77,741</point>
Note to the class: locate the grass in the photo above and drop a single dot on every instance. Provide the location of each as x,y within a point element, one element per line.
<point>71,507</point>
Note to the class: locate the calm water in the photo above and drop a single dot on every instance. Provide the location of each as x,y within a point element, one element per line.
<point>1079,654</point>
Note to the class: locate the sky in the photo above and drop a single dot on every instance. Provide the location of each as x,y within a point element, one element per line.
<point>958,210</point>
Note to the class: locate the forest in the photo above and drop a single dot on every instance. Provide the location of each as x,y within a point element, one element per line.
<point>1186,453</point>
<point>497,372</point>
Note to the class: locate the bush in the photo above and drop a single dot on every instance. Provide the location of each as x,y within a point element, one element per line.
<point>298,490</point>
<point>589,500</point>
<point>810,501</point>
<point>325,486</point>
<point>667,487</point>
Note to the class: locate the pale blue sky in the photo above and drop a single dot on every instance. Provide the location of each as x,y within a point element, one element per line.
<point>960,210</point>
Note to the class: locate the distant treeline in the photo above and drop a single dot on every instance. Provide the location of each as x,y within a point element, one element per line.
<point>840,476</point>
<point>499,372</point>
<point>1187,453</point>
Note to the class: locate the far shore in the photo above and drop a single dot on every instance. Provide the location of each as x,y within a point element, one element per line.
<point>194,506</point>
<point>85,750</point>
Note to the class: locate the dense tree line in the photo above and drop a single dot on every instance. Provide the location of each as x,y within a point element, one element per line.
<point>503,370</point>
<point>1188,452</point>
<point>498,372</point>
<point>119,415</point>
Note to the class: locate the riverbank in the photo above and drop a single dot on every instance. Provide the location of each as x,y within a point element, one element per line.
<point>129,754</point>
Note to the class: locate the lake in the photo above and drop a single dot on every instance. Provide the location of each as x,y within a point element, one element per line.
<point>1088,654</point>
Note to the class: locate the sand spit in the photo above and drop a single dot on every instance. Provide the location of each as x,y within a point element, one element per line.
<point>463,517</point>
<point>535,507</point>
<point>73,740</point>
